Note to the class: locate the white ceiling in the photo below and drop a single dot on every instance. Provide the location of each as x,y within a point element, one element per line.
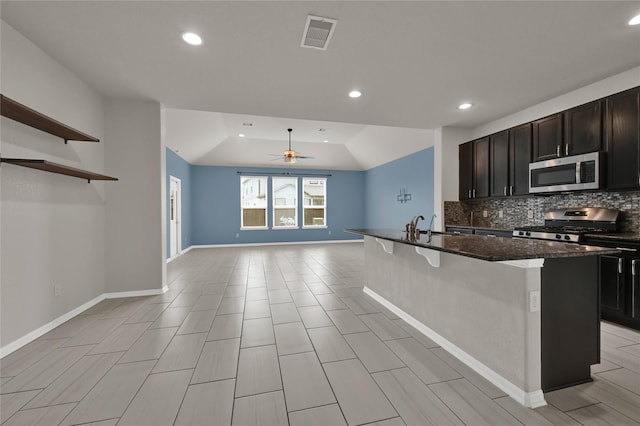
<point>414,62</point>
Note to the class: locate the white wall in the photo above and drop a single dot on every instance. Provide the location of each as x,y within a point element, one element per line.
<point>445,162</point>
<point>598,90</point>
<point>135,223</point>
<point>52,226</point>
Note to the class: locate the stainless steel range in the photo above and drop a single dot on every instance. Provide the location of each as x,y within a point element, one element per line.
<point>571,224</point>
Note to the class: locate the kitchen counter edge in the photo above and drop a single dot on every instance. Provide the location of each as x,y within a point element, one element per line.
<point>491,249</point>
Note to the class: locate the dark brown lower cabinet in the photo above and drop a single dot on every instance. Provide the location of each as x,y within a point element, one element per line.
<point>620,289</point>
<point>570,338</point>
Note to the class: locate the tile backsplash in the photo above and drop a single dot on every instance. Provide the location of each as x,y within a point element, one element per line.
<point>516,210</point>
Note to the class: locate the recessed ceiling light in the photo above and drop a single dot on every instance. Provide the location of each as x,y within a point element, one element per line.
<point>192,38</point>
<point>355,94</point>
<point>465,105</point>
<point>241,135</point>
<point>325,141</point>
<point>635,20</point>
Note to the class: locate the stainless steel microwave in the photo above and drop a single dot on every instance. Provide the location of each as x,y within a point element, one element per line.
<point>567,173</point>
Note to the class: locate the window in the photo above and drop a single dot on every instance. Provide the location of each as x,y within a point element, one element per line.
<point>315,205</point>
<point>285,202</point>
<point>253,202</point>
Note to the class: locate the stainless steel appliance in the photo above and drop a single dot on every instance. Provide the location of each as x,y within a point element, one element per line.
<point>572,224</point>
<point>567,173</point>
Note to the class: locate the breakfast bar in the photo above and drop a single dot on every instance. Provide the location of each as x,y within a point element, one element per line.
<point>524,314</point>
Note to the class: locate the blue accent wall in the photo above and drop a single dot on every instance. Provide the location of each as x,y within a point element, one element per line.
<point>179,168</point>
<point>216,207</point>
<point>382,186</point>
<point>355,199</point>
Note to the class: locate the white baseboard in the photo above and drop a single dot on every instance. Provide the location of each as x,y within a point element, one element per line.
<point>528,399</point>
<point>28,338</point>
<point>136,293</point>
<point>278,243</point>
<point>172,258</point>
<point>40,331</point>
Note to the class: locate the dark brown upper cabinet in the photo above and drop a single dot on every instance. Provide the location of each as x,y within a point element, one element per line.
<point>481,168</point>
<point>547,138</point>
<point>510,157</point>
<point>499,166</point>
<point>622,139</point>
<point>519,159</point>
<point>583,129</point>
<point>465,171</point>
<point>474,169</point>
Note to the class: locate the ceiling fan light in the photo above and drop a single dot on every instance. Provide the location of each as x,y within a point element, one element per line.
<point>290,157</point>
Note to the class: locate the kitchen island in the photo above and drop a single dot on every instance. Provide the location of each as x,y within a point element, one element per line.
<point>522,313</point>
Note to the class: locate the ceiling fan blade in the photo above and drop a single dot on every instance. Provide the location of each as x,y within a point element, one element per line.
<point>290,156</point>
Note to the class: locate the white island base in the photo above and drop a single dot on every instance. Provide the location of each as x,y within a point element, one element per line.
<point>487,314</point>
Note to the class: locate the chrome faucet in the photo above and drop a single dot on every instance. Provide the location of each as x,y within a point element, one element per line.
<point>430,228</point>
<point>412,228</point>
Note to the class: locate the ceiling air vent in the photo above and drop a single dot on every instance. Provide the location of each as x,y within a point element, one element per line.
<point>318,32</point>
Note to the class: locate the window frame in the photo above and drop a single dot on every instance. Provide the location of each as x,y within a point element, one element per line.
<point>244,227</point>
<point>324,206</point>
<point>274,218</point>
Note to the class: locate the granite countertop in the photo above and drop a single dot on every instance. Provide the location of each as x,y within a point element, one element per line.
<point>492,249</point>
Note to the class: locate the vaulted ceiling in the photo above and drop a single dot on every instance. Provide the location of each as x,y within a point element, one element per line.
<point>414,62</point>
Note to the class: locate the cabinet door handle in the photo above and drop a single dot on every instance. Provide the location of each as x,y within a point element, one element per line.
<point>474,193</point>
<point>566,150</point>
<point>633,288</point>
<point>558,151</point>
<point>469,193</point>
<point>505,190</point>
<point>511,190</point>
<point>619,265</point>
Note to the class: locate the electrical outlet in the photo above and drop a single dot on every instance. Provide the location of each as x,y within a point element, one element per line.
<point>484,213</point>
<point>534,301</point>
<point>500,213</point>
<point>530,214</point>
<point>57,290</point>
<point>237,235</point>
<point>329,232</point>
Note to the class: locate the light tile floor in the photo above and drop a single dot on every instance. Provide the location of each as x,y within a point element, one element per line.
<point>279,335</point>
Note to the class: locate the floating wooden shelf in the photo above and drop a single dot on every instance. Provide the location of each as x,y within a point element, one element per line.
<point>25,115</point>
<point>48,166</point>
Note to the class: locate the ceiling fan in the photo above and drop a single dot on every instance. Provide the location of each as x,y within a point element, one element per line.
<point>290,156</point>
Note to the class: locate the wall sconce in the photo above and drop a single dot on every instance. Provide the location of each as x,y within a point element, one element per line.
<point>403,196</point>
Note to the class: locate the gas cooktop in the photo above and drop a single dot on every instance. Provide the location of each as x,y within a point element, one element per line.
<point>570,225</point>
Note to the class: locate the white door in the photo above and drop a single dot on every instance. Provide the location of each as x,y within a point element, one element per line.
<point>174,217</point>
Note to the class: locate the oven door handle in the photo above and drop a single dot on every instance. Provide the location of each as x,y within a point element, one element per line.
<point>578,171</point>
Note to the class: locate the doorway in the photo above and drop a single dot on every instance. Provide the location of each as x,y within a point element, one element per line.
<point>175,214</point>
